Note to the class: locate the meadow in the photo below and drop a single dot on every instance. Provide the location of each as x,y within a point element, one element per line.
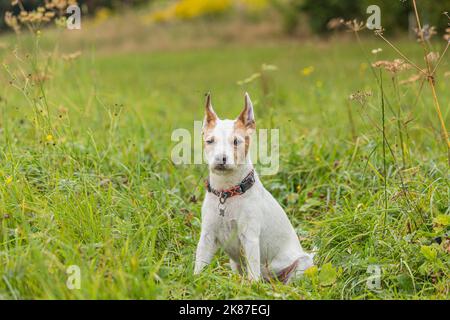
<point>86,177</point>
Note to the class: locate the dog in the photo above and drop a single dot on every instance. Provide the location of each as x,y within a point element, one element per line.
<point>238,213</point>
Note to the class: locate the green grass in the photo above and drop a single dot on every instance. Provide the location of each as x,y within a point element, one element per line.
<point>103,194</point>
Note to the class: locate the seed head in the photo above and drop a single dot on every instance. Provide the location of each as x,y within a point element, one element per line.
<point>394,66</point>
<point>426,33</point>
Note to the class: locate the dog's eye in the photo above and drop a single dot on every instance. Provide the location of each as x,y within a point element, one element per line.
<point>209,141</point>
<point>236,141</point>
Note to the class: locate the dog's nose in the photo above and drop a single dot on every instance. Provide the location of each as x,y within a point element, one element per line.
<point>222,159</point>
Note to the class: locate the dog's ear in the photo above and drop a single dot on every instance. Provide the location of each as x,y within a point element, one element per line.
<point>210,115</point>
<point>247,117</point>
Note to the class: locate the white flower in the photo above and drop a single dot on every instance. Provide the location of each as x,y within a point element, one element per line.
<point>375,51</point>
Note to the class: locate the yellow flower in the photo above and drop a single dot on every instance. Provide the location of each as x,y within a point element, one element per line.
<point>307,71</point>
<point>189,9</point>
<point>102,15</point>
<point>49,138</point>
<point>8,180</point>
<point>311,271</point>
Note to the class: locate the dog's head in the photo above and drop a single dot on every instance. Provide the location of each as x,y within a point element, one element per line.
<point>227,142</point>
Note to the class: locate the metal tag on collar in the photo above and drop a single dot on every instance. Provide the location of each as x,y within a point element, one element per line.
<point>221,206</point>
<point>223,197</point>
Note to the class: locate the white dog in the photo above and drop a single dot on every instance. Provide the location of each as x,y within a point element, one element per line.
<point>238,213</point>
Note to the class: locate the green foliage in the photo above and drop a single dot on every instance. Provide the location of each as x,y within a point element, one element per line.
<point>92,184</point>
<point>394,14</point>
<point>328,274</point>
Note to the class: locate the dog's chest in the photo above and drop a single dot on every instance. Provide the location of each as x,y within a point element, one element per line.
<point>229,224</point>
<point>228,237</point>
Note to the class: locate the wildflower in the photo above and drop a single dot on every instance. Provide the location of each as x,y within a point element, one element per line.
<point>375,51</point>
<point>426,33</point>
<point>379,32</point>
<point>49,138</point>
<point>12,22</point>
<point>8,180</point>
<point>40,77</point>
<point>394,66</point>
<point>432,57</point>
<point>292,197</point>
<point>360,96</point>
<point>268,67</point>
<point>102,15</point>
<point>311,271</point>
<point>190,9</point>
<point>35,18</point>
<point>307,71</point>
<point>335,23</point>
<point>354,25</point>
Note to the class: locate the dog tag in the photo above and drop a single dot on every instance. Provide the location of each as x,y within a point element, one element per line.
<point>221,207</point>
<point>222,198</point>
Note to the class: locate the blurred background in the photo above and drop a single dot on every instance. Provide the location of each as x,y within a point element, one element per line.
<point>141,21</point>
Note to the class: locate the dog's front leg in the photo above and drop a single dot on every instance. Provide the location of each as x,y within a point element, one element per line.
<point>206,248</point>
<point>250,245</point>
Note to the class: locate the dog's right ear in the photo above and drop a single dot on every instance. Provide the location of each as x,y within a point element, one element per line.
<point>247,118</point>
<point>210,115</point>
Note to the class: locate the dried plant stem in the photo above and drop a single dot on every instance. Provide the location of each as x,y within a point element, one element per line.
<point>399,122</point>
<point>441,118</point>
<point>441,58</point>
<point>430,78</point>
<point>401,54</point>
<point>422,82</point>
<point>386,144</point>
<point>383,128</point>
<point>352,123</point>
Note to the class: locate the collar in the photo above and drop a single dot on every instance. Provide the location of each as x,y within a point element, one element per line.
<point>237,190</point>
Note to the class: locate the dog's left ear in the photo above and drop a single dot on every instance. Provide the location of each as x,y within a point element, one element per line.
<point>247,117</point>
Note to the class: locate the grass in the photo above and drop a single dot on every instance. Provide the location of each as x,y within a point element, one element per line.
<point>89,182</point>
